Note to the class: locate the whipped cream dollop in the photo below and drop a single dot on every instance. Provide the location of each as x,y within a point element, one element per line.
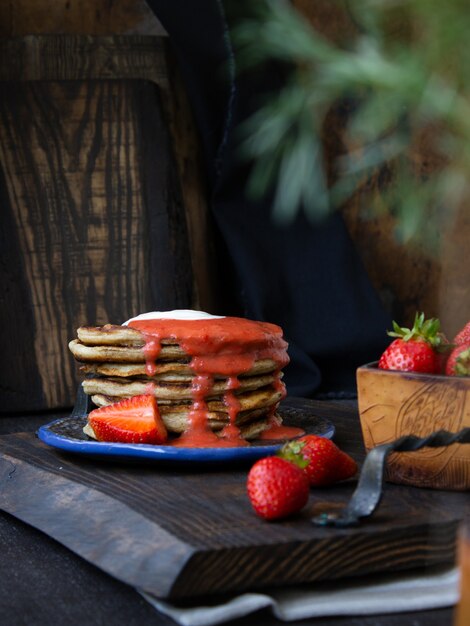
<point>177,314</point>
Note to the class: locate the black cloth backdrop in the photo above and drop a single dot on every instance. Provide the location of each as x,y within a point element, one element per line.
<point>306,277</point>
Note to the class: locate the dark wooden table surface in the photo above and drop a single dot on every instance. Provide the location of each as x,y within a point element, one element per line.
<point>43,582</point>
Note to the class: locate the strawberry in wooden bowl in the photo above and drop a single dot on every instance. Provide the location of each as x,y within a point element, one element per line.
<point>416,349</point>
<point>421,384</point>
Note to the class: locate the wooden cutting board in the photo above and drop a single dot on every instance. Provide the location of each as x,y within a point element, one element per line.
<point>181,531</point>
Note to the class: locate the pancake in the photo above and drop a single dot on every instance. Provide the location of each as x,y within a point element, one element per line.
<point>130,361</point>
<point>175,416</point>
<point>121,354</point>
<point>205,371</point>
<point>110,335</point>
<point>248,431</point>
<point>165,368</point>
<point>266,396</point>
<point>164,389</point>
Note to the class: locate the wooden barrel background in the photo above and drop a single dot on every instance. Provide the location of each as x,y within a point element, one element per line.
<point>94,206</point>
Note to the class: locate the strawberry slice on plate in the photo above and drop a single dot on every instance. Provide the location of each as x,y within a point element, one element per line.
<point>133,420</point>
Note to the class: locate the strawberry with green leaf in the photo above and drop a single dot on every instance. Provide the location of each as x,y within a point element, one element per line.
<point>324,463</point>
<point>416,349</point>
<point>277,488</point>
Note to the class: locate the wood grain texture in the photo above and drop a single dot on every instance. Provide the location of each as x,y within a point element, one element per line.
<point>197,523</point>
<point>74,57</point>
<point>94,208</point>
<point>395,404</point>
<point>33,565</point>
<point>100,182</point>
<point>90,17</point>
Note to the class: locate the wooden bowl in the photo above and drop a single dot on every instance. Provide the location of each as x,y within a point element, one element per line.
<point>393,404</point>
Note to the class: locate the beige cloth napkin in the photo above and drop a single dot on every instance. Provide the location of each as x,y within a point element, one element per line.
<point>364,596</point>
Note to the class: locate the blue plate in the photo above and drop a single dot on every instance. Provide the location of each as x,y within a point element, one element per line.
<point>67,434</point>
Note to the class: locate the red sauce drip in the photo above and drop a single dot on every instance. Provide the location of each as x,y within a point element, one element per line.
<point>150,389</point>
<point>198,434</point>
<point>277,431</point>
<point>228,347</point>
<point>152,349</point>
<point>231,432</point>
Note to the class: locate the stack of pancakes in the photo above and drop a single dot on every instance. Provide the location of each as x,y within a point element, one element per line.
<point>114,360</point>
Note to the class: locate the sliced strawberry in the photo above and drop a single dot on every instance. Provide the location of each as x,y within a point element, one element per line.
<point>133,420</point>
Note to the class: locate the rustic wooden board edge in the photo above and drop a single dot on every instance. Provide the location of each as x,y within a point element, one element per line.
<point>154,571</point>
<point>335,556</point>
<point>412,529</point>
<point>98,531</point>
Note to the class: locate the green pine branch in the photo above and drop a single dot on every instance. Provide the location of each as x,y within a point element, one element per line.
<point>400,88</point>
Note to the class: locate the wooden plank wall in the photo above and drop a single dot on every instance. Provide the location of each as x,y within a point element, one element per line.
<point>100,228</point>
<point>96,200</point>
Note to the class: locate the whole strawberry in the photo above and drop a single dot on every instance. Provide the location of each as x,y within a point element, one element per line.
<point>326,463</point>
<point>277,488</point>
<point>463,337</point>
<point>416,349</point>
<point>458,363</point>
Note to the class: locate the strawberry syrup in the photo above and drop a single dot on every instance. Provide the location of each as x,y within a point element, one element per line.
<point>227,346</point>
<point>276,430</point>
